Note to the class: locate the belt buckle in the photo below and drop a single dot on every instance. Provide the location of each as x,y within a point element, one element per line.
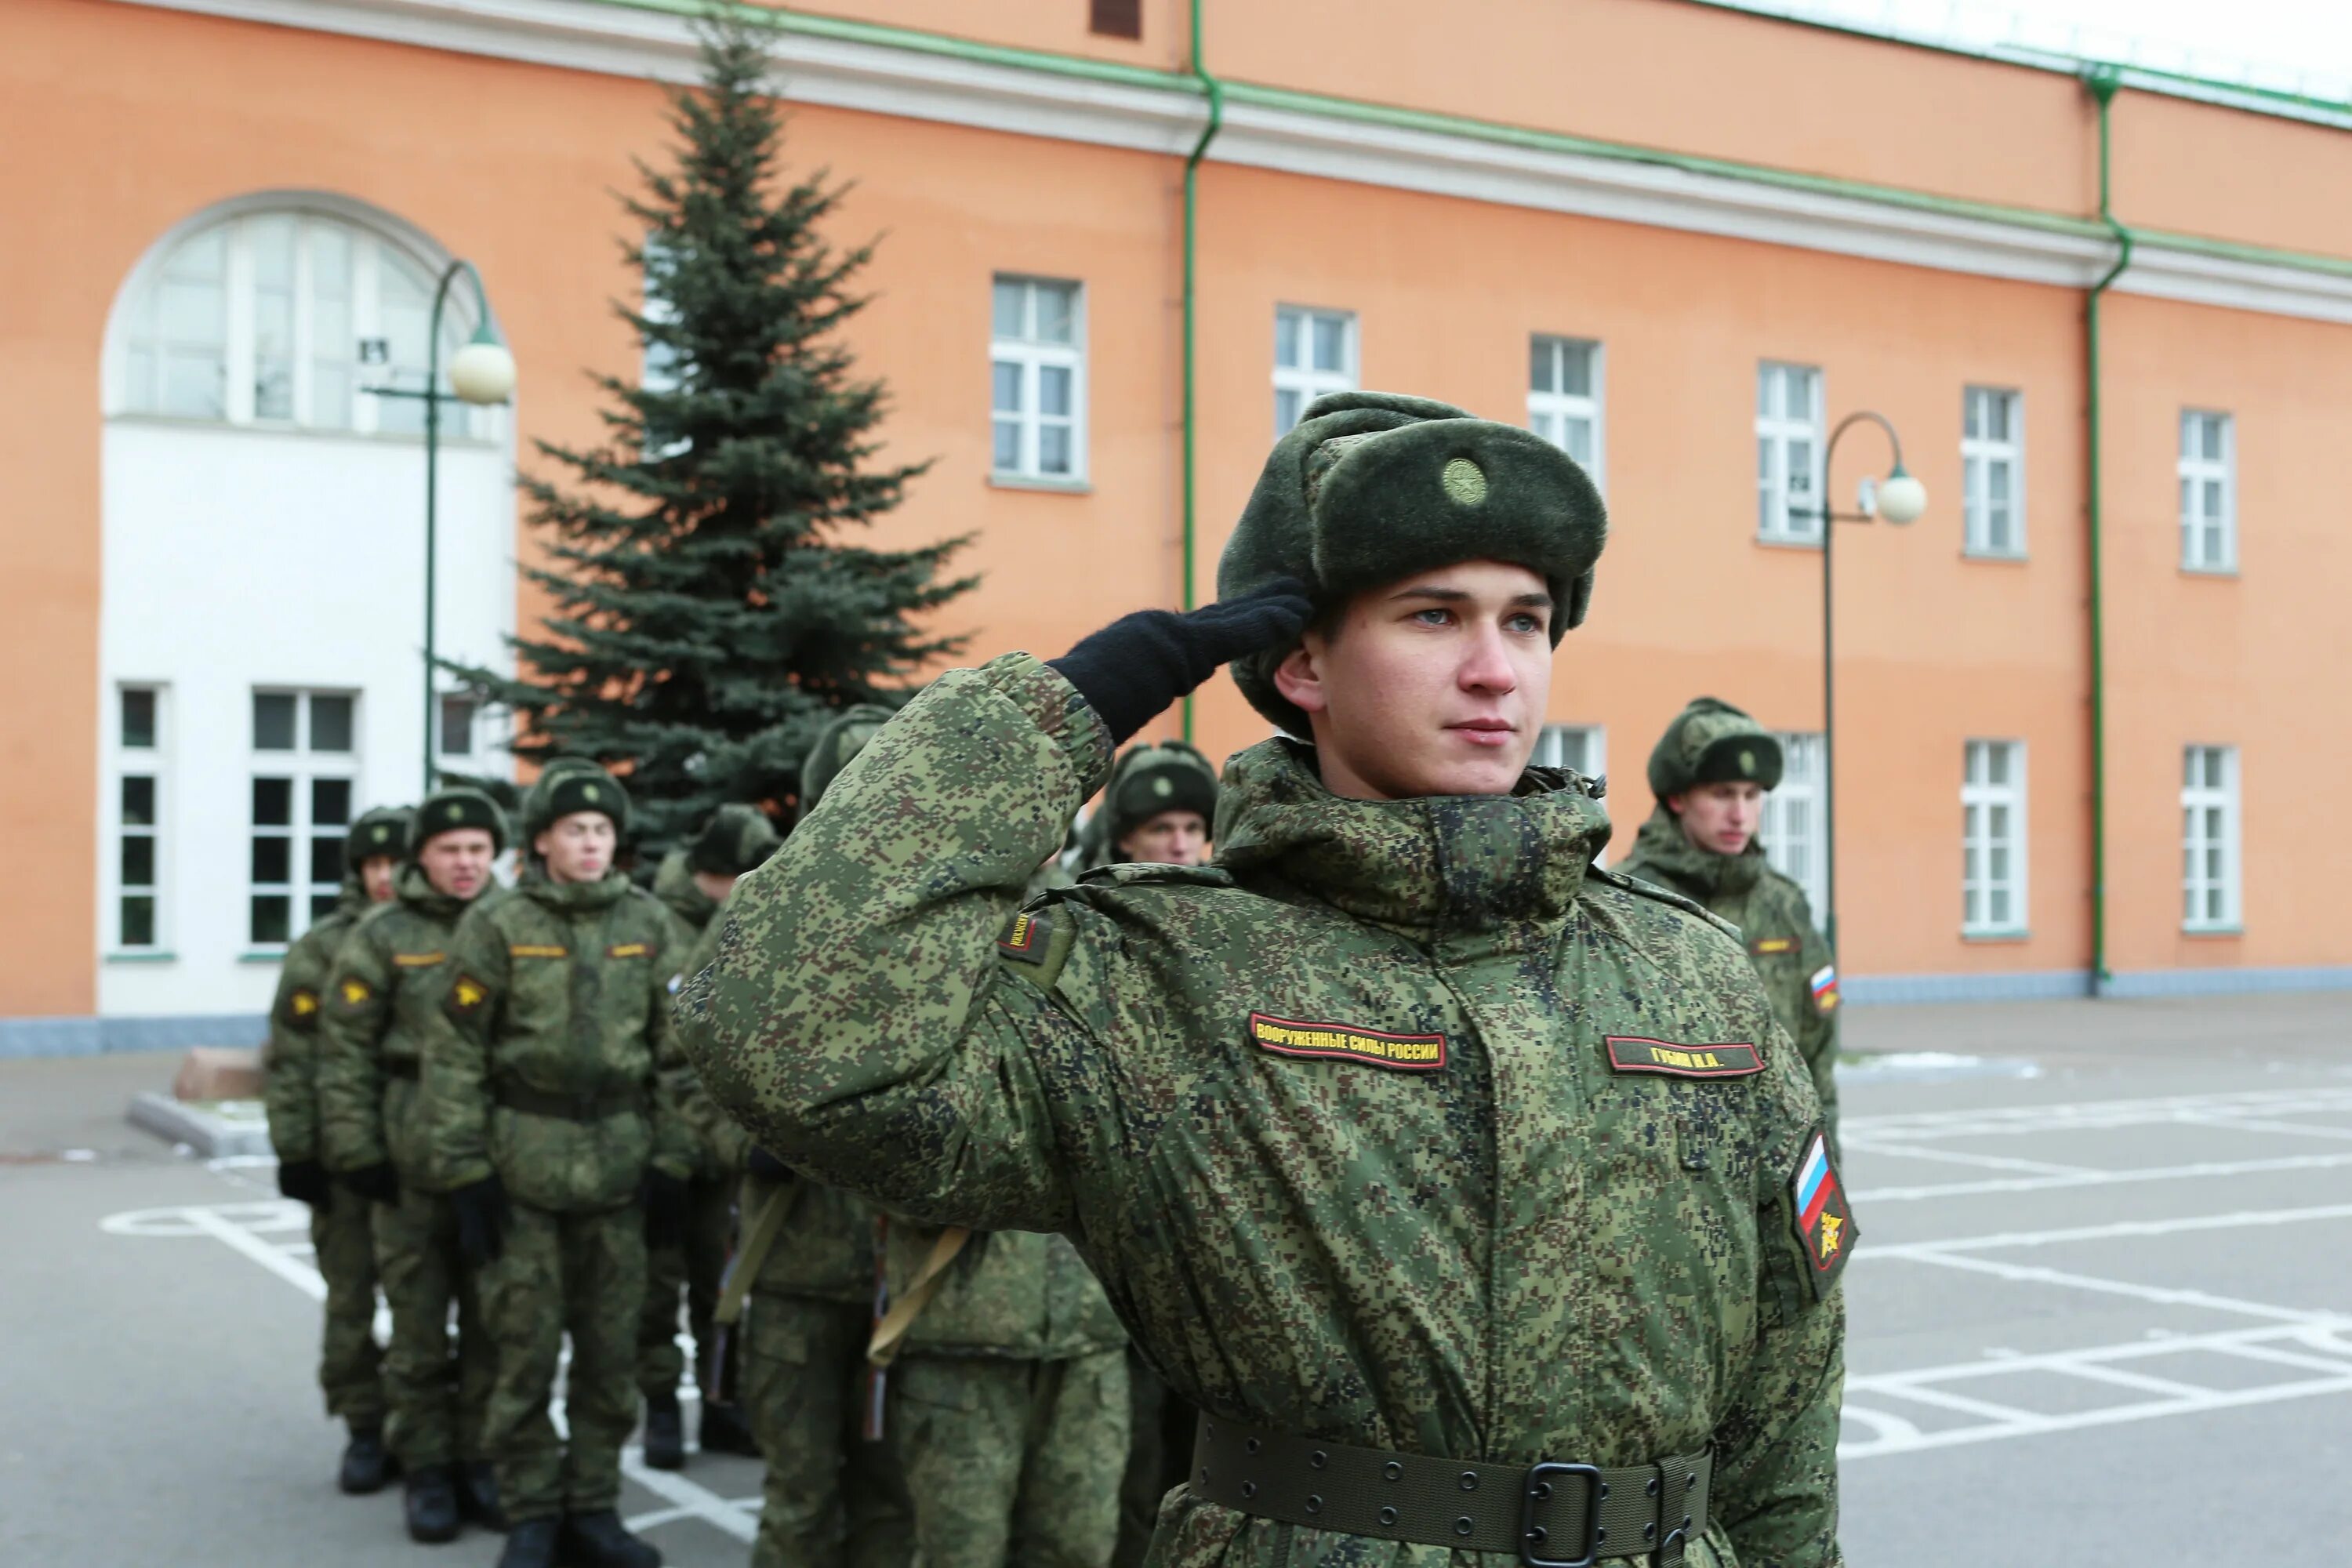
<point>1529,1495</point>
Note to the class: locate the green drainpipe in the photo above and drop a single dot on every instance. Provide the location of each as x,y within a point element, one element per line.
<point>1215,91</point>
<point>2102,82</point>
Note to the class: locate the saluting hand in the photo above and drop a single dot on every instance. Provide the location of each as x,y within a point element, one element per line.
<point>1135,667</point>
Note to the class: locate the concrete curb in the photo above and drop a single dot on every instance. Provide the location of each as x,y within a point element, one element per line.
<point>214,1128</point>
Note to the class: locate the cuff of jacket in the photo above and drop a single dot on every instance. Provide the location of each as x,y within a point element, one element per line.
<point>1055,706</point>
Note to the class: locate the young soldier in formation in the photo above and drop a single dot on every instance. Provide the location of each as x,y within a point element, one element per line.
<point>342,1236</point>
<point>554,1128</point>
<point>1471,1192</point>
<point>692,882</point>
<point>1710,772</point>
<point>384,994</point>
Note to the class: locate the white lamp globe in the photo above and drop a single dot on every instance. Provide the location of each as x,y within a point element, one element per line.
<point>483,370</point>
<point>1902,498</point>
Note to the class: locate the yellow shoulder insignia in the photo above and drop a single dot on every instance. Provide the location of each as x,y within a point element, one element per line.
<point>304,1002</point>
<point>355,991</point>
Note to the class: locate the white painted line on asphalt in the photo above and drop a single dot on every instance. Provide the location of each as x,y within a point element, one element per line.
<point>1850,1143</point>
<point>689,1499</point>
<point>1945,1399</point>
<point>276,1259</point>
<point>1880,1421</point>
<point>2162,1296</point>
<point>2238,1220</point>
<point>2204,1168</point>
<point>2112,1416</point>
<point>2171,1388</point>
<point>2247,1125</point>
<point>2093,1115</point>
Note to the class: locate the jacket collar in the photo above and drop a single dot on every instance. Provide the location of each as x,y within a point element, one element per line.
<point>1695,872</point>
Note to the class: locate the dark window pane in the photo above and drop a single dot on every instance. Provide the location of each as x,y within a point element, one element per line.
<point>272,858</point>
<point>270,914</point>
<point>139,719</point>
<point>273,721</point>
<point>137,800</point>
<point>323,905</point>
<point>331,802</point>
<point>330,724</point>
<point>1116,19</point>
<point>139,920</point>
<point>273,802</point>
<point>326,860</point>
<point>138,861</point>
<point>457,726</point>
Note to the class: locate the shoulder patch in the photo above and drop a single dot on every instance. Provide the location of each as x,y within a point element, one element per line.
<point>303,1003</point>
<point>1764,946</point>
<point>417,960</point>
<point>536,950</point>
<point>1825,987</point>
<point>1027,937</point>
<point>1633,1053</point>
<point>467,996</point>
<point>629,950</point>
<point>354,990</point>
<point>1346,1042</point>
<point>1817,1205</point>
<point>1036,942</point>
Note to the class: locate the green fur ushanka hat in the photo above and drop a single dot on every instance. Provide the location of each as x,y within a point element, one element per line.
<point>1370,487</point>
<point>1710,742</point>
<point>384,830</point>
<point>447,810</point>
<point>568,787</point>
<point>844,736</point>
<point>1148,780</point>
<point>737,838</point>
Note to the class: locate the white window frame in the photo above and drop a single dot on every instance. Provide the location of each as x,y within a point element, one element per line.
<point>1982,455</point>
<point>1780,517</point>
<point>124,762</point>
<point>1980,796</point>
<point>1550,411</point>
<point>2198,470</point>
<point>1031,356</point>
<point>2202,837</point>
<point>1798,798</point>
<point>304,768</point>
<point>1304,379</point>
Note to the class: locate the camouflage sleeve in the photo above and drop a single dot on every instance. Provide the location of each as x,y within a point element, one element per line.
<point>353,1015</point>
<point>456,1052</point>
<point>675,1145</point>
<point>1818,1041</point>
<point>857,1020</point>
<point>289,1084</point>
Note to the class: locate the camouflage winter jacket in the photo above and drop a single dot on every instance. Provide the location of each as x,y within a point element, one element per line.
<point>1399,1125</point>
<point>549,1060</point>
<point>383,995</point>
<point>1799,972</point>
<point>674,886</point>
<point>289,1059</point>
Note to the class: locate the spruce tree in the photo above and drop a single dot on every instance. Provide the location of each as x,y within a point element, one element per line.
<point>711,605</point>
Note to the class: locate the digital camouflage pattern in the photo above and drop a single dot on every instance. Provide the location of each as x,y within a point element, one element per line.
<point>829,1498</point>
<point>1775,921</point>
<point>438,1385</point>
<point>350,1363</point>
<point>1462,1233</point>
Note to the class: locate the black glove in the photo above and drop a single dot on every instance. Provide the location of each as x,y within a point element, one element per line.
<point>1134,667</point>
<point>664,1196</point>
<point>304,1181</point>
<point>766,1166</point>
<point>379,1183</point>
<point>483,1218</point>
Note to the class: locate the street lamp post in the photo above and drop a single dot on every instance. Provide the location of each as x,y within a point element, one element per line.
<point>482,373</point>
<point>1899,499</point>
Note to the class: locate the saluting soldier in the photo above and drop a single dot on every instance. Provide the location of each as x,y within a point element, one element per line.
<point>342,1235</point>
<point>1472,1193</point>
<point>385,990</point>
<point>1709,774</point>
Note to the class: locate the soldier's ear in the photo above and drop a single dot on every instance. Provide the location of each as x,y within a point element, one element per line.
<point>1299,676</point>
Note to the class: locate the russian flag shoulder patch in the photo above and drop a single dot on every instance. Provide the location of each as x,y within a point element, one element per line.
<point>1823,1217</point>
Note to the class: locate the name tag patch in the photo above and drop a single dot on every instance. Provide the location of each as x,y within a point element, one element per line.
<point>536,950</point>
<point>629,949</point>
<point>1632,1053</point>
<point>1825,1227</point>
<point>1765,945</point>
<point>1374,1048</point>
<point>417,960</point>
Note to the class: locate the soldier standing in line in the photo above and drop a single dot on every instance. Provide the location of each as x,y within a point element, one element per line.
<point>692,882</point>
<point>384,989</point>
<point>553,1125</point>
<point>1471,1191</point>
<point>342,1236</point>
<point>1710,772</point>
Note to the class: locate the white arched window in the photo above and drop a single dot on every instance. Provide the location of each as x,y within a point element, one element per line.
<point>283,317</point>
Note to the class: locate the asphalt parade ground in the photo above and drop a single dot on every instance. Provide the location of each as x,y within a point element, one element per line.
<point>2101,1312</point>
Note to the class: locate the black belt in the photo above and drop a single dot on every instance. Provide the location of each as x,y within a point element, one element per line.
<point>570,1107</point>
<point>409,1068</point>
<point>1546,1515</point>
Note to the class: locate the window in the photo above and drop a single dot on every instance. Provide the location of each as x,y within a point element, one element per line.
<point>1314,352</point>
<point>1579,748</point>
<point>2209,839</point>
<point>1992,837</point>
<point>1791,823</point>
<point>1992,472</point>
<point>267,319</point>
<point>1116,19</point>
<point>1564,397</point>
<point>1037,361</point>
<point>1787,452</point>
<point>303,768</point>
<point>137,791</point>
<point>456,733</point>
<point>2208,492</point>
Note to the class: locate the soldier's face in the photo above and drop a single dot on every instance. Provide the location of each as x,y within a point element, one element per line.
<point>1434,684</point>
<point>458,863</point>
<point>375,876</point>
<point>1170,839</point>
<point>578,847</point>
<point>1721,817</point>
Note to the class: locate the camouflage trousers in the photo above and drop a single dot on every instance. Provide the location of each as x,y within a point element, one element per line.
<point>581,1274</point>
<point>1012,1461</point>
<point>694,1268</point>
<point>343,1241</point>
<point>831,1498</point>
<point>436,1391</point>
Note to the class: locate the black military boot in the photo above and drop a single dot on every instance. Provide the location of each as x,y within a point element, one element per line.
<point>665,1433</point>
<point>431,1505</point>
<point>367,1465</point>
<point>478,1494</point>
<point>725,1432</point>
<point>531,1544</point>
<point>601,1540</point>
